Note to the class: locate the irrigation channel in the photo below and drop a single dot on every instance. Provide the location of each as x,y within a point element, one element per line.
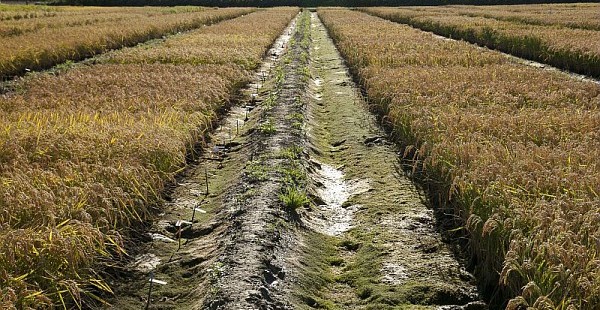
<point>299,203</point>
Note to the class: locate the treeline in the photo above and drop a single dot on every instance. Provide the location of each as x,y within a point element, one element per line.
<point>302,3</point>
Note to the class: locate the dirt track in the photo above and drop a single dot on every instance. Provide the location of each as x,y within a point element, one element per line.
<point>367,240</point>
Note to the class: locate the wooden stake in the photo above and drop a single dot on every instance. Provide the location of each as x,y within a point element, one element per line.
<point>150,290</point>
<point>206,177</point>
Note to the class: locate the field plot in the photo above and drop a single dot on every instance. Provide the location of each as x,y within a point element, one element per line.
<point>87,151</point>
<point>556,43</point>
<point>577,15</point>
<point>514,149</point>
<point>227,44</point>
<point>34,39</point>
<point>267,159</point>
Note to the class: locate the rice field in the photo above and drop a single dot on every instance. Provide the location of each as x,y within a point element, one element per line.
<point>554,42</point>
<point>572,15</point>
<point>86,152</point>
<point>513,149</point>
<point>509,152</point>
<point>34,39</point>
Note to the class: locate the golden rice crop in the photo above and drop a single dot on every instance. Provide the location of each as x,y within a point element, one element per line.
<point>573,15</point>
<point>38,43</point>
<point>86,152</point>
<point>514,149</point>
<point>16,12</point>
<point>225,44</point>
<point>572,49</point>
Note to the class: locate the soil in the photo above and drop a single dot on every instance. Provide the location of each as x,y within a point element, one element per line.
<point>365,238</point>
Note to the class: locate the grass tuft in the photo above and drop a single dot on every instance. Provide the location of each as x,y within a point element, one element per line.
<point>293,198</point>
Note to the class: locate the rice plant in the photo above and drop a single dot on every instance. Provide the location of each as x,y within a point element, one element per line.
<point>74,33</point>
<point>293,198</point>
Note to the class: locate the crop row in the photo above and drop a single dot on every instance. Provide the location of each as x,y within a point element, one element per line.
<point>86,152</point>
<point>576,50</point>
<point>573,15</point>
<point>225,45</point>
<point>16,12</point>
<point>72,17</point>
<point>512,149</point>
<point>43,13</point>
<point>40,43</point>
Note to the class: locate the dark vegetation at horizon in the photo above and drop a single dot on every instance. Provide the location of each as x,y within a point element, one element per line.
<point>303,3</point>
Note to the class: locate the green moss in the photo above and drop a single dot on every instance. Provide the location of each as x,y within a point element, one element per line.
<point>316,275</point>
<point>335,261</point>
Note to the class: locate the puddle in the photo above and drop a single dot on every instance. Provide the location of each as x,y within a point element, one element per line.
<point>334,217</point>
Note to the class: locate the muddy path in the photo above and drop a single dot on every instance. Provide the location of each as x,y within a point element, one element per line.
<point>209,248</point>
<point>384,251</point>
<point>300,204</point>
<point>258,264</point>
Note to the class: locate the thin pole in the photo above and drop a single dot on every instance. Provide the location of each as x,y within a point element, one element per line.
<point>206,177</point>
<point>150,290</point>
